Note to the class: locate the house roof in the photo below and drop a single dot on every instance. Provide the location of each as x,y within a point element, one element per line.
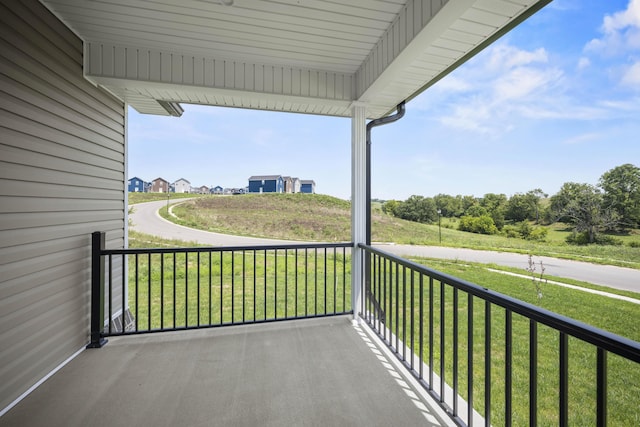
<point>183,180</point>
<point>265,177</point>
<point>160,179</point>
<point>307,181</point>
<point>316,56</point>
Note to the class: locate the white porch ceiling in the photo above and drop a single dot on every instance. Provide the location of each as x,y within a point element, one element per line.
<point>307,56</point>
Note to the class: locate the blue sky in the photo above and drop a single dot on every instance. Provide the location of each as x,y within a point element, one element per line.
<point>555,100</point>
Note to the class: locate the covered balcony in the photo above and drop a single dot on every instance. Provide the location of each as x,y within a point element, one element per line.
<point>311,334</point>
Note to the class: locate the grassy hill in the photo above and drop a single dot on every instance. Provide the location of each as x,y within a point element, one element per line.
<point>324,218</point>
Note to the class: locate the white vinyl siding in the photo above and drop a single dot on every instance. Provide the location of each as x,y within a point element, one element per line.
<point>62,176</point>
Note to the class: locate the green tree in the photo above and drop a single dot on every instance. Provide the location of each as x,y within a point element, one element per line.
<point>583,206</point>
<point>621,187</point>
<point>389,207</point>
<point>496,206</point>
<point>519,208</point>
<point>449,206</point>
<point>418,209</point>
<point>534,197</point>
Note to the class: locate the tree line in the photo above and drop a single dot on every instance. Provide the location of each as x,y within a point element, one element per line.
<point>611,205</point>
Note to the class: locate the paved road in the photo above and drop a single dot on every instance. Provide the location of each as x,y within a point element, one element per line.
<point>146,220</point>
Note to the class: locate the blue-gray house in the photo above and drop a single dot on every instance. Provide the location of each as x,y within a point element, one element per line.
<point>307,186</point>
<point>266,184</point>
<point>137,185</point>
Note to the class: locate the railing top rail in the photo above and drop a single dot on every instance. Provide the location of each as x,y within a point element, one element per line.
<point>195,249</point>
<point>606,340</point>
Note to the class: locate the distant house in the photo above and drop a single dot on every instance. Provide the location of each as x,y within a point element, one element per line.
<point>307,186</point>
<point>182,186</point>
<point>137,185</point>
<point>203,190</point>
<point>216,190</point>
<point>291,184</point>
<point>159,185</point>
<point>266,184</point>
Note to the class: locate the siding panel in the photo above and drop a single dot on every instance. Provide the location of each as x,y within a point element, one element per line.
<point>62,176</point>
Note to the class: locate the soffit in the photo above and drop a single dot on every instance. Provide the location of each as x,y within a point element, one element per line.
<point>309,56</point>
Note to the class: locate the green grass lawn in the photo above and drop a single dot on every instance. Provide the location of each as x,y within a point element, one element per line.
<point>322,218</point>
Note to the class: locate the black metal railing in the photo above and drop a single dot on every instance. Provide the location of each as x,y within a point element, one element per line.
<point>166,289</point>
<point>490,359</point>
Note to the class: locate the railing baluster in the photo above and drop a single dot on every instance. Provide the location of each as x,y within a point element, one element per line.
<point>404,313</point>
<point>376,269</point>
<point>295,301</point>
<point>306,281</point>
<point>421,332</point>
<point>255,280</point>
<point>487,363</point>
<point>344,280</point>
<point>335,280</point>
<point>137,294</point>
<point>221,288</point>
<point>161,291</point>
<point>533,372</point>
<point>198,296</point>
<point>210,286</point>
<point>265,284</point>
<point>186,289</point>
<point>286,283</point>
<point>233,287</point>
<point>315,281</point>
<point>175,303</point>
<point>430,333</point>
<point>564,379</point>
<point>386,310</point>
<point>601,379</point>
<point>149,292</point>
<point>275,284</point>
<point>325,281</point>
<point>470,361</point>
<point>442,343</point>
<point>508,368</point>
<point>397,283</point>
<point>111,294</point>
<point>244,276</point>
<point>412,317</point>
<point>455,352</point>
<point>125,271</point>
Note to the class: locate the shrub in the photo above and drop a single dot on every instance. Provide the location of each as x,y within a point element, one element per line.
<point>538,234</point>
<point>583,239</point>
<point>576,238</point>
<point>634,244</point>
<point>510,231</point>
<point>481,224</point>
<point>602,239</point>
<point>524,229</point>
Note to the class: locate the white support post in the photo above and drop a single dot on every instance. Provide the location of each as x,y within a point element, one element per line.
<point>358,201</point>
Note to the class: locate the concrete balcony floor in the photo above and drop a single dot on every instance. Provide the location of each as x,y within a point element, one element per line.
<point>318,372</point>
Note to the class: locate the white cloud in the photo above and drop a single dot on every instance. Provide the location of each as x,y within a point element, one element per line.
<point>583,63</point>
<point>631,76</point>
<point>504,83</point>
<point>621,20</point>
<point>504,56</point>
<point>621,32</point>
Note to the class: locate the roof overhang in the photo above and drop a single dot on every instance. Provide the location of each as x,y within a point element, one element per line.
<point>314,56</point>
